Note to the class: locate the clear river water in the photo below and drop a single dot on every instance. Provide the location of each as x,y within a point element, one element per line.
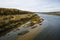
<point>52,31</point>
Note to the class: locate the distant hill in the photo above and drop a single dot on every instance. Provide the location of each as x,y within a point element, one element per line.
<point>52,13</point>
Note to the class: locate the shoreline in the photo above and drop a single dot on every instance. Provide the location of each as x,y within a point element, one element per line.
<point>32,33</point>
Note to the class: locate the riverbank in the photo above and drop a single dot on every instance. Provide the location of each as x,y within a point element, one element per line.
<point>32,33</point>
<point>48,30</point>
<point>13,18</point>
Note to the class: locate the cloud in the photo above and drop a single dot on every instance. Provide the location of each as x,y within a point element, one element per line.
<point>32,5</point>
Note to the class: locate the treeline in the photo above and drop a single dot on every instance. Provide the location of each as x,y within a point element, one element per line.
<point>7,11</point>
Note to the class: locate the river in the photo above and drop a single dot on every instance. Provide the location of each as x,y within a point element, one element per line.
<point>52,31</point>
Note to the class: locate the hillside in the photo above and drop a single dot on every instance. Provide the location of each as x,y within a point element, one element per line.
<point>10,11</point>
<point>13,18</point>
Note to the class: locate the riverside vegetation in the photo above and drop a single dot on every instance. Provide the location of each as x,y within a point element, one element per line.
<point>13,18</point>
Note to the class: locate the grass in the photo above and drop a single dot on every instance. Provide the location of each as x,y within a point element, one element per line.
<point>11,20</point>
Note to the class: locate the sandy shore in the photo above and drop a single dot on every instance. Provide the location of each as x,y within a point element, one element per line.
<point>33,32</point>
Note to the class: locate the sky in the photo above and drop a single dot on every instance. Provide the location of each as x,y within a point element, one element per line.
<point>32,5</point>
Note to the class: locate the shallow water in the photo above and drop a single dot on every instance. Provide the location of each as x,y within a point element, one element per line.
<point>52,31</point>
<point>12,35</point>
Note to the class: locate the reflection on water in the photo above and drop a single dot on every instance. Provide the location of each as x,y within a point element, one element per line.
<point>51,32</point>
